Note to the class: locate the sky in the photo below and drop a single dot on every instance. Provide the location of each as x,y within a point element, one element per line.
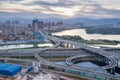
<point>60,8</point>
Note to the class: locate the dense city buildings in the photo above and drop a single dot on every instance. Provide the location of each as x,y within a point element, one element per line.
<point>15,30</point>
<point>59,40</point>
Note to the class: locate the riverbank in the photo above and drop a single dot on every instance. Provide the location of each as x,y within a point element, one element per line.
<point>25,46</point>
<point>102,30</point>
<point>82,33</point>
<point>79,39</point>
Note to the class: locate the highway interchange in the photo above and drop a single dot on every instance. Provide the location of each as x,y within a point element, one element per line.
<point>75,68</point>
<point>112,57</point>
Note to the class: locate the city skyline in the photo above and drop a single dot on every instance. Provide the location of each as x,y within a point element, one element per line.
<point>59,8</point>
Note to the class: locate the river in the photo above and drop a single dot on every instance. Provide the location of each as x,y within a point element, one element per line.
<point>82,33</point>
<point>17,46</point>
<point>86,36</point>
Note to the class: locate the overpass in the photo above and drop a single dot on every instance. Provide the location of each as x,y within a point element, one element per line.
<point>113,57</point>
<point>84,47</point>
<point>16,59</point>
<point>53,52</point>
<point>51,64</point>
<point>70,66</point>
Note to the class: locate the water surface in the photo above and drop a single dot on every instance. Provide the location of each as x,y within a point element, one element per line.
<point>86,36</point>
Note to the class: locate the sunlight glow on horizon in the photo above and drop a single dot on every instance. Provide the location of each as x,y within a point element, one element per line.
<point>63,8</point>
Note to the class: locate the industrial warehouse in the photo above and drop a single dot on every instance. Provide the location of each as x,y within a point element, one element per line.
<point>9,69</point>
<point>18,72</point>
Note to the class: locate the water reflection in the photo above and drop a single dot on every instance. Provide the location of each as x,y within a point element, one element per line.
<point>46,44</point>
<point>84,35</point>
<point>105,46</point>
<point>110,46</point>
<point>5,47</point>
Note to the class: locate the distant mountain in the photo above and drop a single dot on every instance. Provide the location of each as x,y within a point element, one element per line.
<point>92,21</point>
<point>68,21</point>
<point>51,19</point>
<point>22,20</point>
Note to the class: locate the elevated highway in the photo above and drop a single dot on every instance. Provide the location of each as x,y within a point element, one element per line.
<point>51,64</point>
<point>113,57</point>
<point>49,52</point>
<point>84,47</point>
<point>16,59</point>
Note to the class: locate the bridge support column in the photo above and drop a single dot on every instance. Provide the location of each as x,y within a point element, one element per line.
<point>112,70</point>
<point>73,46</point>
<point>103,59</point>
<point>35,45</point>
<point>99,57</point>
<point>117,63</point>
<point>65,45</point>
<point>69,45</point>
<point>107,61</point>
<point>95,75</point>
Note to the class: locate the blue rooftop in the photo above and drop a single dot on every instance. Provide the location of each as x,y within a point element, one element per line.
<point>9,69</point>
<point>4,65</point>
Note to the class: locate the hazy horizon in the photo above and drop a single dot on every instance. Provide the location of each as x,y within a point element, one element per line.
<point>30,9</point>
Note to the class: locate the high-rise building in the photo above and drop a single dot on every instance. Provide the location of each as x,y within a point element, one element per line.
<point>53,24</point>
<point>35,28</point>
<point>35,25</point>
<point>15,22</point>
<point>41,24</point>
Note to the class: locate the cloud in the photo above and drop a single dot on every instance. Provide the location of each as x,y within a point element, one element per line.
<point>11,0</point>
<point>62,8</point>
<point>28,15</point>
<point>52,3</point>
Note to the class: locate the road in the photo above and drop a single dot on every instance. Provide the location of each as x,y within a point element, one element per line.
<point>83,46</point>
<point>111,56</point>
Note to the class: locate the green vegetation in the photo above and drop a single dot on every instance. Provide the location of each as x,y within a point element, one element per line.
<point>79,39</point>
<point>102,30</point>
<point>56,58</point>
<point>87,58</point>
<point>23,57</point>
